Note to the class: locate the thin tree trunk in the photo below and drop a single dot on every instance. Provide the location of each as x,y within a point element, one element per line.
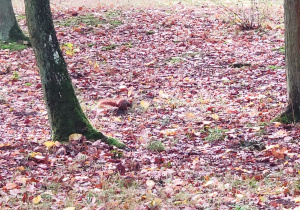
<point>9,28</point>
<point>64,111</point>
<point>292,56</point>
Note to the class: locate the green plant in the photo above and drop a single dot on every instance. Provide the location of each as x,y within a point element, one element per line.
<point>280,49</point>
<point>176,60</point>
<point>15,76</point>
<point>215,134</point>
<point>156,146</point>
<point>117,154</point>
<point>128,44</point>
<point>109,47</point>
<point>113,14</point>
<point>150,32</point>
<point>275,67</point>
<point>115,23</point>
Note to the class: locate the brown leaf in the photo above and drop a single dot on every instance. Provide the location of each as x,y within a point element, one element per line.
<point>120,168</point>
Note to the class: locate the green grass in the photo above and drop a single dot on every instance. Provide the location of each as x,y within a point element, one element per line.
<point>215,134</point>
<point>88,19</point>
<point>13,46</point>
<point>109,47</point>
<point>157,146</point>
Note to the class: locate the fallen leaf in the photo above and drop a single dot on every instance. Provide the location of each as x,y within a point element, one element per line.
<point>215,116</point>
<point>10,186</point>
<point>69,208</point>
<point>189,116</point>
<point>49,144</point>
<point>75,136</point>
<point>145,104</point>
<point>37,199</point>
<point>150,183</point>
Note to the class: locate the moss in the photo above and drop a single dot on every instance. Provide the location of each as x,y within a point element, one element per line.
<point>288,116</point>
<point>88,19</point>
<point>13,46</point>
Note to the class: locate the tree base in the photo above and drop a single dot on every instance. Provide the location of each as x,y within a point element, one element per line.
<point>16,34</point>
<point>95,135</point>
<point>289,116</point>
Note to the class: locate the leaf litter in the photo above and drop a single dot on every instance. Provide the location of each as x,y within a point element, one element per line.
<point>181,69</point>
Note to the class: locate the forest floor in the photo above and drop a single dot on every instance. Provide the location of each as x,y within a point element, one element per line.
<point>203,91</point>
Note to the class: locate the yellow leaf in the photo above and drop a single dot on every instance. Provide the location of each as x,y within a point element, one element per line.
<point>49,144</point>
<point>263,199</point>
<point>162,94</point>
<point>117,119</point>
<point>145,104</point>
<point>37,199</point>
<point>189,115</point>
<point>215,116</point>
<point>69,208</point>
<point>169,132</point>
<point>297,200</point>
<point>277,124</point>
<point>75,136</point>
<point>271,147</point>
<point>33,154</point>
<point>205,101</point>
<point>69,52</point>
<point>130,91</point>
<point>156,201</point>
<point>96,65</point>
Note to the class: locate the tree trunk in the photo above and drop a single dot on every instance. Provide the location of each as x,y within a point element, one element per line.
<point>292,57</point>
<point>64,111</point>
<point>9,28</point>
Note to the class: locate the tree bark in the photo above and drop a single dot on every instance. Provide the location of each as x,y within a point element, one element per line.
<point>292,57</point>
<point>64,111</point>
<point>9,28</point>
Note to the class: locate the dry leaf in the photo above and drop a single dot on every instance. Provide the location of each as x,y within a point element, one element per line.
<point>215,116</point>
<point>189,115</point>
<point>69,208</point>
<point>156,202</point>
<point>162,94</point>
<point>10,186</point>
<point>37,199</point>
<point>150,183</point>
<point>49,144</point>
<point>145,104</point>
<point>169,132</point>
<point>117,119</point>
<point>297,200</point>
<point>75,136</point>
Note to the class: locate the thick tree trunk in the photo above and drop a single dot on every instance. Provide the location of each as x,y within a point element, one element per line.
<point>292,56</point>
<point>9,28</point>
<point>64,111</point>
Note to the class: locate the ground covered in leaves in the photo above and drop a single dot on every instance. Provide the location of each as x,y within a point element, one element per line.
<point>199,130</point>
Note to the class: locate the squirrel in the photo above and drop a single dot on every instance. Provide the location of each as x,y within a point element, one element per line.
<point>122,104</point>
